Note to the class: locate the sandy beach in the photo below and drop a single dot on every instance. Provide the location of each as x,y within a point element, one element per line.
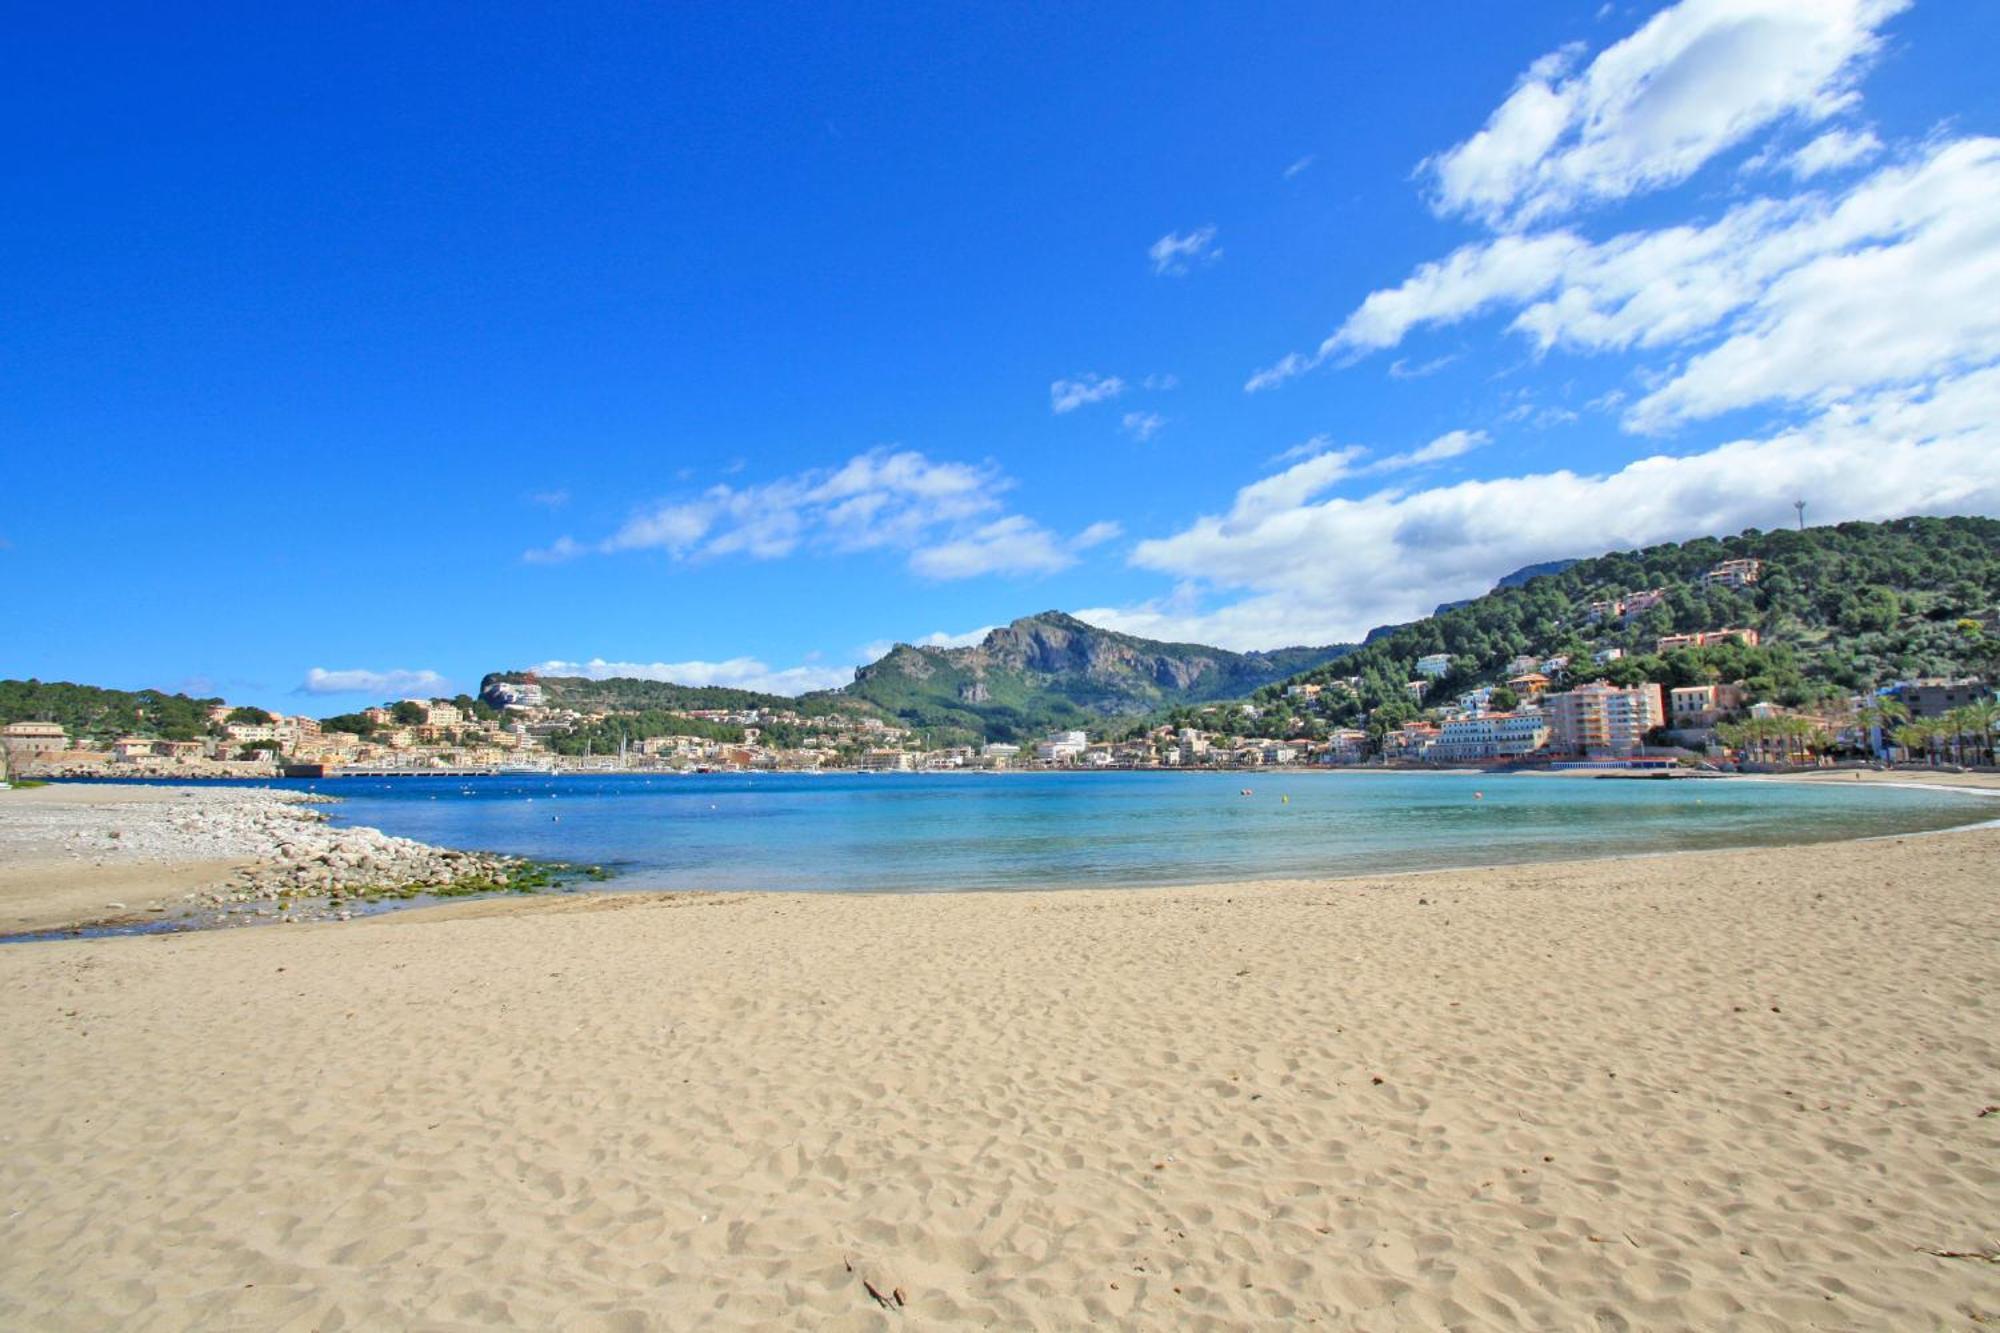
<point>1747,1089</point>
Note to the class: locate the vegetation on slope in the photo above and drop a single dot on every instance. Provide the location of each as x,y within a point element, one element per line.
<point>90,713</point>
<point>1840,610</point>
<point>1053,672</point>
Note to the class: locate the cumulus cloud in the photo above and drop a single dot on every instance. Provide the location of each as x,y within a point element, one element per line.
<point>739,673</point>
<point>949,516</point>
<point>1698,78</point>
<point>1295,565</point>
<point>1142,426</point>
<point>1087,388</point>
<point>1174,253</point>
<point>1796,301</point>
<point>380,684</point>
<point>1010,545</point>
<point>1833,151</point>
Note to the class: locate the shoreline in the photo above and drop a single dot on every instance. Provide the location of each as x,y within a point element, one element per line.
<point>46,900</point>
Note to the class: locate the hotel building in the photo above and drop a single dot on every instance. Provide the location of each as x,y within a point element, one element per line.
<point>1603,719</point>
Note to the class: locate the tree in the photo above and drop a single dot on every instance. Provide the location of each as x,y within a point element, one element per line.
<point>408,713</point>
<point>246,715</point>
<point>1881,716</point>
<point>1503,700</point>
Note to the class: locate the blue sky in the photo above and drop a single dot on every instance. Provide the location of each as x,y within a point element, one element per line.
<point>352,356</point>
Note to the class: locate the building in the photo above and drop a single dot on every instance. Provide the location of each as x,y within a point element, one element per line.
<point>1668,643</point>
<point>1062,747</point>
<point>1477,700</point>
<point>437,713</point>
<point>1606,656</point>
<point>1001,751</point>
<point>1734,574</point>
<point>1417,689</point>
<point>1638,603</point>
<point>22,741</point>
<point>511,694</point>
<point>1934,696</point>
<point>1347,746</point>
<point>1302,691</point>
<point>1601,719</point>
<point>1529,684</point>
<point>1434,665</point>
<point>1700,707</point>
<point>1490,736</point>
<point>1412,740</point>
<point>1521,664</point>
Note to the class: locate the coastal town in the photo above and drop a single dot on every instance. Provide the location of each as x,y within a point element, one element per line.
<point>1561,711</point>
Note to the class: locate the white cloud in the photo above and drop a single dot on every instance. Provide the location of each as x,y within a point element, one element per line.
<point>1468,281</point>
<point>947,515</point>
<point>1401,369</point>
<point>379,684</point>
<point>1298,166</point>
<point>1811,298</point>
<point>1832,151</point>
<point>554,499</point>
<point>1175,253</point>
<point>557,551</point>
<point>1451,444</point>
<point>1698,78</point>
<point>1097,534</point>
<point>1897,284</point>
<point>1163,381</point>
<point>1142,426</point>
<point>1010,545</point>
<point>1303,569</point>
<point>1085,389</point>
<point>740,673</point>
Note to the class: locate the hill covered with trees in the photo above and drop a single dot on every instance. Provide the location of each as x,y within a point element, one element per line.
<point>1839,610</point>
<point>91,713</point>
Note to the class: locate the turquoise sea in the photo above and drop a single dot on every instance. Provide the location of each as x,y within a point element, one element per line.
<point>942,832</point>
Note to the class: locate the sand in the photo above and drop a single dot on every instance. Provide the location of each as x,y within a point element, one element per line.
<point>1718,1090</point>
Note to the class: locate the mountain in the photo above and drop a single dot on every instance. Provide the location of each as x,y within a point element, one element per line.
<point>1513,580</point>
<point>1052,671</point>
<point>1839,610</point>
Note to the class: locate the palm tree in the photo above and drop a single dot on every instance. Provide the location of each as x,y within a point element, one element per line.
<point>1923,734</point>
<point>1878,718</point>
<point>1979,721</point>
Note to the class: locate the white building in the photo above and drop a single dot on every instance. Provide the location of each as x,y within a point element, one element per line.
<point>1434,664</point>
<point>1490,736</point>
<point>1062,747</point>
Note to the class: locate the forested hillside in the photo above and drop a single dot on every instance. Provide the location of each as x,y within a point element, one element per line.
<point>1840,609</point>
<point>90,713</point>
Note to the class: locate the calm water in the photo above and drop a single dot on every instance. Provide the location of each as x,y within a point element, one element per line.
<point>920,832</point>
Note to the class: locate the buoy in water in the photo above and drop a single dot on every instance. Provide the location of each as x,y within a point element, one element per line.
<point>1479,796</point>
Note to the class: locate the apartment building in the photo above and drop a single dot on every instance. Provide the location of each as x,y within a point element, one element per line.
<point>1734,574</point>
<point>1601,719</point>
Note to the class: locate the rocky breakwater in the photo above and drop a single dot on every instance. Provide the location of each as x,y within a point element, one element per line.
<point>292,863</point>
